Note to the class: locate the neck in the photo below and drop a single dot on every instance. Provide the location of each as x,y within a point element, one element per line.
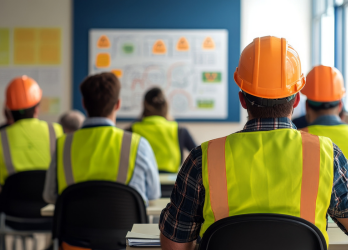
<point>311,116</point>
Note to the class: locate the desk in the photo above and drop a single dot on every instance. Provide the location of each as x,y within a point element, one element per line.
<point>167,179</point>
<point>155,208</point>
<point>338,241</point>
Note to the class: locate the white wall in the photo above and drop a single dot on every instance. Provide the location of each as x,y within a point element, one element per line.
<point>42,13</point>
<point>284,18</point>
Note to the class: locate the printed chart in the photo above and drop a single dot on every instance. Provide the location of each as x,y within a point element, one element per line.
<point>189,65</point>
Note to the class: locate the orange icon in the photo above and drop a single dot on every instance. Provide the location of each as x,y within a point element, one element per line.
<point>103,60</point>
<point>208,43</point>
<point>103,42</point>
<point>183,44</point>
<point>117,72</point>
<point>159,47</point>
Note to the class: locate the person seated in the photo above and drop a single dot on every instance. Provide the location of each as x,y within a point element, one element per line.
<point>99,150</point>
<point>29,143</point>
<point>167,139</point>
<point>268,167</point>
<point>324,91</point>
<point>71,121</point>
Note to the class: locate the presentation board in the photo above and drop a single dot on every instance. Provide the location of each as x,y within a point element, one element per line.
<point>189,65</point>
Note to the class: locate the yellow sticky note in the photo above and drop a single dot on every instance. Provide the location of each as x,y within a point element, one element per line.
<point>117,72</point>
<point>103,42</point>
<point>103,60</point>
<point>182,44</point>
<point>49,49</point>
<point>25,46</point>
<point>4,46</point>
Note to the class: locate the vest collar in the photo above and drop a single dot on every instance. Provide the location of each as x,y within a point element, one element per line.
<point>154,119</point>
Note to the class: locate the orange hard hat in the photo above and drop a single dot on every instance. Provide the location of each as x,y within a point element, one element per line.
<point>269,68</point>
<point>324,84</point>
<point>22,93</point>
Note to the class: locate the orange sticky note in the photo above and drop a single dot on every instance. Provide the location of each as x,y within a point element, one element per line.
<point>117,72</point>
<point>208,43</point>
<point>159,47</point>
<point>103,60</point>
<point>103,42</point>
<point>183,44</point>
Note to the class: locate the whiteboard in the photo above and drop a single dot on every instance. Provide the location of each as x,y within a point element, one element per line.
<point>189,65</point>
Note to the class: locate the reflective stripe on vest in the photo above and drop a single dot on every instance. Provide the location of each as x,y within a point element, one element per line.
<point>164,140</point>
<point>236,185</point>
<point>100,153</point>
<point>337,133</point>
<point>6,148</point>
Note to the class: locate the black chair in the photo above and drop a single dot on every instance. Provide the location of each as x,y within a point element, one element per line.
<point>263,231</point>
<point>20,204</point>
<point>166,190</point>
<point>97,214</point>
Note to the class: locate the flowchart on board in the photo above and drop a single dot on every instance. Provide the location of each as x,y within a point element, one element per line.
<point>189,65</point>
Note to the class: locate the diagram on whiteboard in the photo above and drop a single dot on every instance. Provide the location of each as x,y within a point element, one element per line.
<point>189,65</point>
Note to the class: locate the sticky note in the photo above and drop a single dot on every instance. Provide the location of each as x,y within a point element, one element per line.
<point>103,42</point>
<point>208,43</point>
<point>103,60</point>
<point>159,47</point>
<point>4,46</point>
<point>25,46</point>
<point>49,46</point>
<point>117,72</point>
<point>182,44</point>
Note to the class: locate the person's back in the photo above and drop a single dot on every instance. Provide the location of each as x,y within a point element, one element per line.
<point>27,144</point>
<point>324,91</point>
<point>99,150</point>
<point>268,167</point>
<point>166,138</point>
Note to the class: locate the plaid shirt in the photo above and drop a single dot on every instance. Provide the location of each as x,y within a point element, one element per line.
<point>181,220</point>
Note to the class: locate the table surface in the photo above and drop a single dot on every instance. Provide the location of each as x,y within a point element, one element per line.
<point>167,178</point>
<point>155,207</point>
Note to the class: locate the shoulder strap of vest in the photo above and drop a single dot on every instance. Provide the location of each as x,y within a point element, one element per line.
<point>123,163</point>
<point>7,154</point>
<point>310,177</point>
<point>124,160</point>
<point>52,138</point>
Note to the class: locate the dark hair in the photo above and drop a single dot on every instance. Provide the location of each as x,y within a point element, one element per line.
<point>100,93</point>
<point>155,103</point>
<point>280,110</point>
<point>23,114</point>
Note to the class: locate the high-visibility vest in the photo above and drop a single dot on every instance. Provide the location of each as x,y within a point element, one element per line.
<point>337,133</point>
<point>164,140</point>
<point>26,145</point>
<point>282,171</point>
<point>103,153</point>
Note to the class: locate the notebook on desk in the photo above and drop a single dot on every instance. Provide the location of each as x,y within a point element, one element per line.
<point>144,235</point>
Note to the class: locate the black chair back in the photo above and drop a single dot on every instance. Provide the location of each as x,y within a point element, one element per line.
<point>21,200</point>
<point>263,231</point>
<point>98,214</point>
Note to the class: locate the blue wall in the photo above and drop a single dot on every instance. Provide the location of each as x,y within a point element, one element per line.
<point>156,14</point>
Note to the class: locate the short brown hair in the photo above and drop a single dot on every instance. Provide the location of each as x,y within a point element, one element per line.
<point>155,103</point>
<point>280,110</point>
<point>100,93</point>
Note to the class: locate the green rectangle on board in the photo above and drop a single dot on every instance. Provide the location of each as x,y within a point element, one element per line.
<point>4,46</point>
<point>205,104</point>
<point>211,77</point>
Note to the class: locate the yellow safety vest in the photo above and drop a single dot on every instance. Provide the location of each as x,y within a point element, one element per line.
<point>164,140</point>
<point>26,145</point>
<point>96,154</point>
<point>337,133</point>
<point>282,171</point>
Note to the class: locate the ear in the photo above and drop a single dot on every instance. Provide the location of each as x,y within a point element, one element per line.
<point>36,111</point>
<point>117,105</point>
<point>83,104</point>
<point>242,100</point>
<point>297,100</point>
<point>340,106</point>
